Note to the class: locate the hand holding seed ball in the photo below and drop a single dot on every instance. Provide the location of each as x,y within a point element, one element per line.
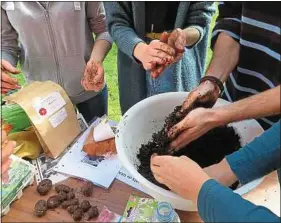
<point>188,179</point>
<point>156,52</point>
<point>93,79</point>
<point>176,40</point>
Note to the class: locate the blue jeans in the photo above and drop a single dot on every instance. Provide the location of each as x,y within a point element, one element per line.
<point>94,107</point>
<point>164,83</point>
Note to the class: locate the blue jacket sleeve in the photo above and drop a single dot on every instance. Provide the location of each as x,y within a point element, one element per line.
<point>120,26</point>
<point>259,157</point>
<point>220,204</point>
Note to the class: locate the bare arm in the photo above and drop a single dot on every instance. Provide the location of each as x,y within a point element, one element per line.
<point>201,120</point>
<point>192,36</point>
<point>257,106</point>
<point>225,58</point>
<point>100,50</point>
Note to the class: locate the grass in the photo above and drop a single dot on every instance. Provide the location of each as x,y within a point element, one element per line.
<point>110,66</point>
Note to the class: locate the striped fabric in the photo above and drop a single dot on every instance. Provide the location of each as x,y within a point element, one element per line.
<point>256,26</point>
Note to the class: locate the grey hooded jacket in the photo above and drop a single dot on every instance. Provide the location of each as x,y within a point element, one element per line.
<point>55,42</point>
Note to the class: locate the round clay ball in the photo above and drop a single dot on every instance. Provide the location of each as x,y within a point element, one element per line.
<point>74,201</point>
<point>85,205</point>
<point>72,208</point>
<point>87,189</point>
<point>70,196</point>
<point>62,196</point>
<point>40,208</point>
<point>77,214</point>
<point>53,202</point>
<point>62,187</point>
<point>44,187</point>
<point>93,212</point>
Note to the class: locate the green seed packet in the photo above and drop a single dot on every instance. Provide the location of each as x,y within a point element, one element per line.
<point>19,175</point>
<point>140,209</point>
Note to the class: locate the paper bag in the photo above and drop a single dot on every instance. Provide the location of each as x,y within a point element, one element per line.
<point>51,113</point>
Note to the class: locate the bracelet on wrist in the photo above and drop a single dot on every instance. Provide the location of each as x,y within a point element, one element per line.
<point>214,80</point>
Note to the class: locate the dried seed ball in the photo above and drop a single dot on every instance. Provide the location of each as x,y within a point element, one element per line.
<point>72,208</point>
<point>53,202</point>
<point>87,189</point>
<point>74,201</point>
<point>70,196</point>
<point>44,187</point>
<point>62,196</point>
<point>40,208</point>
<point>62,187</point>
<point>77,214</point>
<point>85,205</point>
<point>93,212</point>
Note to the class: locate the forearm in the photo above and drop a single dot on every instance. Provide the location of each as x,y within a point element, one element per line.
<point>258,158</point>
<point>257,106</point>
<point>225,57</point>
<point>100,50</point>
<point>192,36</point>
<point>219,204</point>
<point>120,26</point>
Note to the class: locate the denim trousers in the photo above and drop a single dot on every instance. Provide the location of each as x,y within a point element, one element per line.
<point>94,107</point>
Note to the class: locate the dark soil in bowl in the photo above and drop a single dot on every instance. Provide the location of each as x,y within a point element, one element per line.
<point>209,149</point>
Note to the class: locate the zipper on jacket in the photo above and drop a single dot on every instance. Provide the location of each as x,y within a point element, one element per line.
<point>53,42</point>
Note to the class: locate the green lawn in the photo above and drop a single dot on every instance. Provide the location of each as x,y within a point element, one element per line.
<point>110,65</point>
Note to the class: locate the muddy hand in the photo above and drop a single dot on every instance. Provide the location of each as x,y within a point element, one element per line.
<point>205,95</point>
<point>195,124</point>
<point>8,83</point>
<point>180,174</point>
<point>177,40</point>
<point>159,68</point>
<point>93,79</point>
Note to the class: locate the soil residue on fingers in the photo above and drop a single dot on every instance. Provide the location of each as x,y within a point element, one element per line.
<point>209,149</point>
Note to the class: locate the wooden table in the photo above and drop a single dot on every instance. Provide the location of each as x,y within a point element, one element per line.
<point>267,194</point>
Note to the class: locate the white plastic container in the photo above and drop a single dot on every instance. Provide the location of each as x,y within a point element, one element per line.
<point>146,118</point>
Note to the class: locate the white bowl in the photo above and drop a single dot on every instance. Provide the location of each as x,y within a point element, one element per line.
<point>146,118</point>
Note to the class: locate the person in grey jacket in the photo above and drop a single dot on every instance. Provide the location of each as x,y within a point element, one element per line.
<point>54,41</point>
<point>137,29</point>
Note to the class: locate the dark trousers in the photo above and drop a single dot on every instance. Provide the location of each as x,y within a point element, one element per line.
<point>94,107</point>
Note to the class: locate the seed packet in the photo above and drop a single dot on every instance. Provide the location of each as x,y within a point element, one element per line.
<point>19,175</point>
<point>140,209</point>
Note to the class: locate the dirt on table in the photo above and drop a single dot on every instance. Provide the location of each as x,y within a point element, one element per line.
<point>209,149</point>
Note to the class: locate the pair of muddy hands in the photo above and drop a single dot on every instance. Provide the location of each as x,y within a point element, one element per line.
<point>176,40</point>
<point>93,79</point>
<point>203,96</point>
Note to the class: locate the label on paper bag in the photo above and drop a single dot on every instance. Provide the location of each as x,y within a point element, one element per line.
<point>58,118</point>
<point>47,106</point>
